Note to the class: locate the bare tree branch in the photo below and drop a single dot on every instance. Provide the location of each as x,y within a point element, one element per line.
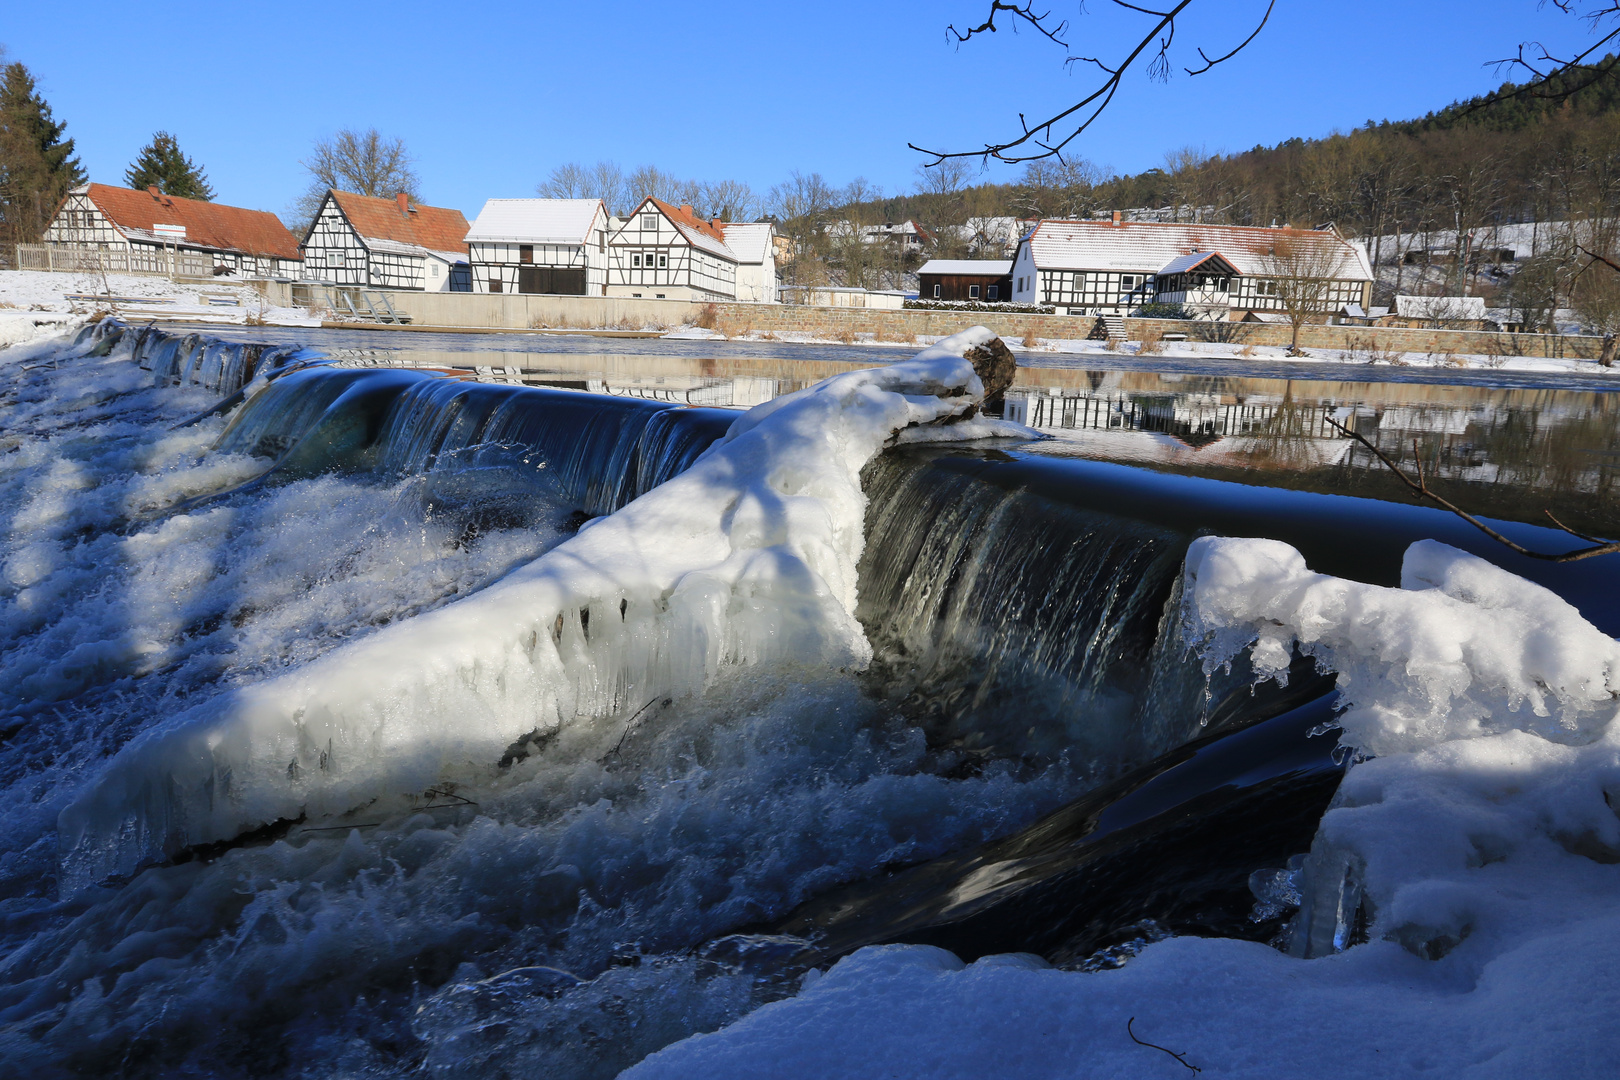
<point>1420,487</point>
<point>1037,140</point>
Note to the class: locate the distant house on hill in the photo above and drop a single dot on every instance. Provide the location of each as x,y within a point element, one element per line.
<point>965,279</point>
<point>556,246</point>
<point>665,252</point>
<point>1114,267</point>
<point>754,244</point>
<point>393,243</point>
<point>99,217</point>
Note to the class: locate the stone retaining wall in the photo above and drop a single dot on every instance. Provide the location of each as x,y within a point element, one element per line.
<point>1385,339</point>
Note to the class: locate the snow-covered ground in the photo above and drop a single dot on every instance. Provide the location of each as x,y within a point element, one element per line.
<point>35,294</point>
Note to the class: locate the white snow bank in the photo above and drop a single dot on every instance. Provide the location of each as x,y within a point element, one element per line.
<point>1462,648</point>
<point>1478,857</point>
<point>749,556</point>
<point>19,327</point>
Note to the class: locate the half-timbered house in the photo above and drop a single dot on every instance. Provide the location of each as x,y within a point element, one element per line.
<point>664,252</point>
<point>148,225</point>
<point>540,246</point>
<point>754,244</point>
<point>1111,268</point>
<point>357,240</point>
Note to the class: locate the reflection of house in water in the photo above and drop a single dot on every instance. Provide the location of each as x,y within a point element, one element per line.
<point>1197,419</point>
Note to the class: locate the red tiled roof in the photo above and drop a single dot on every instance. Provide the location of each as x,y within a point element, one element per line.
<point>683,215</point>
<point>252,232</point>
<point>432,227</point>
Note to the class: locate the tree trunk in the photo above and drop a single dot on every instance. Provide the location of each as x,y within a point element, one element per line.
<point>1606,357</point>
<point>1293,344</point>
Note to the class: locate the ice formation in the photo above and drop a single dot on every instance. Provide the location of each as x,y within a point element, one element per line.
<point>1477,858</point>
<point>750,555</point>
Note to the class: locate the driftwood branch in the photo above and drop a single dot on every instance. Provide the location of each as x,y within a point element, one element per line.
<point>1420,487</point>
<point>1143,1042</point>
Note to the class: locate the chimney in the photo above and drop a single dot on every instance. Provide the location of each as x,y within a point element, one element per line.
<point>404,201</point>
<point>686,208</point>
<point>152,190</point>
<point>1118,216</point>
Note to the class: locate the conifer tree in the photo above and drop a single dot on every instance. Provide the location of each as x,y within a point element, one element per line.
<point>161,163</point>
<point>37,166</point>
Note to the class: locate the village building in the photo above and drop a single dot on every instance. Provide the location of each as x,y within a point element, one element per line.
<point>1115,267</point>
<point>983,280</point>
<point>147,226</point>
<point>754,245</point>
<point>360,241</point>
<point>665,252</point>
<point>556,246</point>
<point>1439,313</point>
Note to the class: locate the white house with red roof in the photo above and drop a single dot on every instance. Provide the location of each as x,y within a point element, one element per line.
<point>398,243</point>
<point>665,252</point>
<point>100,217</point>
<point>1218,271</point>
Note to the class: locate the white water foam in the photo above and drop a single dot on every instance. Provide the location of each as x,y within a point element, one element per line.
<point>747,557</point>
<point>1478,857</point>
<point>361,950</point>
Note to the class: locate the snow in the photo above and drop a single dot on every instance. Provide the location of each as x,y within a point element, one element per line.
<point>1481,848</point>
<point>747,557</point>
<point>138,297</point>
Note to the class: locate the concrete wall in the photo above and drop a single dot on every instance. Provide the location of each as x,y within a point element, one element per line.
<point>520,312</point>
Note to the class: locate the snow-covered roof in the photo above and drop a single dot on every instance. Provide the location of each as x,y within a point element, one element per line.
<point>1181,264</point>
<point>1440,307</point>
<point>976,267</point>
<point>1147,247</point>
<point>750,241</point>
<point>396,247</point>
<point>535,221</point>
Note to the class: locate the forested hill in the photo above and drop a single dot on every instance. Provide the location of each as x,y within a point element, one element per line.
<point>1589,90</point>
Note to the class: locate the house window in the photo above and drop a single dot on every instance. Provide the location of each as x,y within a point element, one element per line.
<point>1127,282</point>
<point>494,284</point>
<point>993,293</point>
<point>973,292</point>
<point>334,259</point>
<point>663,261</point>
<point>635,259</point>
<point>649,221</point>
<point>525,253</point>
<point>936,292</point>
<point>433,269</point>
<point>601,241</point>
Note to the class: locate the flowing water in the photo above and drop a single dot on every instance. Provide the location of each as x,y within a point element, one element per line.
<point>615,885</point>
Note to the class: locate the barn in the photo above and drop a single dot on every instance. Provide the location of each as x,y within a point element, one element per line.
<point>540,246</point>
<point>396,243</point>
<point>147,225</point>
<point>984,280</point>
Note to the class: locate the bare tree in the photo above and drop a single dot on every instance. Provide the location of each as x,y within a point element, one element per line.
<point>604,181</point>
<point>1301,272</point>
<point>650,181</point>
<point>362,162</point>
<point>802,206</point>
<point>728,200</point>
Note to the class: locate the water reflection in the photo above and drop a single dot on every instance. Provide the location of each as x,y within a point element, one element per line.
<point>1508,452</point>
<point>1511,453</point>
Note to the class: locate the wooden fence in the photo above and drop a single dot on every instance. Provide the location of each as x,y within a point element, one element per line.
<point>167,262</point>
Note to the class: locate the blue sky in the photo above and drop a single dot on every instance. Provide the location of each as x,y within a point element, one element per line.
<point>490,96</point>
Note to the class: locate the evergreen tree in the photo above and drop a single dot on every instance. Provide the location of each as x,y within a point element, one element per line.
<point>160,162</point>
<point>37,166</point>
